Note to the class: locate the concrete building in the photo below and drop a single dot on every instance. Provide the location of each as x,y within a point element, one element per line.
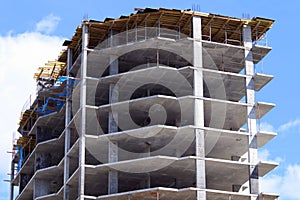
<point>156,105</point>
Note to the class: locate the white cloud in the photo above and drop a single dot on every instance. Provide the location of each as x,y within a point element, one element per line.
<point>48,24</point>
<point>264,155</point>
<point>264,126</point>
<point>271,184</point>
<point>20,56</point>
<point>289,125</point>
<point>287,184</point>
<point>279,160</point>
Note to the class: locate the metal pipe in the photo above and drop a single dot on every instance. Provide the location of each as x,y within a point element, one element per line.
<point>12,174</point>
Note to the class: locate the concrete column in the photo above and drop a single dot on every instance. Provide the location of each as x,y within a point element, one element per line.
<point>146,183</point>
<point>251,112</point>
<point>199,109</point>
<point>82,128</point>
<point>42,160</point>
<point>40,188</point>
<point>68,131</point>
<point>112,128</point>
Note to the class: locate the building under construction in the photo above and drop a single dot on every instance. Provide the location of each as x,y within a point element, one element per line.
<point>156,105</point>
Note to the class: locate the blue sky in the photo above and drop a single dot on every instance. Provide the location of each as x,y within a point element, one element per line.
<point>31,33</point>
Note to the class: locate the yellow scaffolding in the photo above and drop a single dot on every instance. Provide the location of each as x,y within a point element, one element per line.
<point>53,69</point>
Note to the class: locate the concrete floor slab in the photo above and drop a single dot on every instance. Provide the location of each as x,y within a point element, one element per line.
<point>51,120</point>
<point>233,84</point>
<point>186,193</point>
<point>218,113</point>
<point>48,173</point>
<point>219,143</point>
<point>28,166</point>
<point>263,137</point>
<point>221,174</point>
<point>259,52</point>
<point>260,80</point>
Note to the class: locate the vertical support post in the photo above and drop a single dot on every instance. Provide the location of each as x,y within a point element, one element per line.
<point>113,126</point>
<point>251,112</point>
<point>68,131</point>
<point>148,181</point>
<point>12,175</point>
<point>136,28</point>
<point>127,32</point>
<point>225,34</point>
<point>199,108</point>
<point>83,112</point>
<point>146,29</point>
<point>159,27</point>
<point>210,31</point>
<point>157,57</point>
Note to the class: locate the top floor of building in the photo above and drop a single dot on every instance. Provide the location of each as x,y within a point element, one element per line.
<point>166,23</point>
